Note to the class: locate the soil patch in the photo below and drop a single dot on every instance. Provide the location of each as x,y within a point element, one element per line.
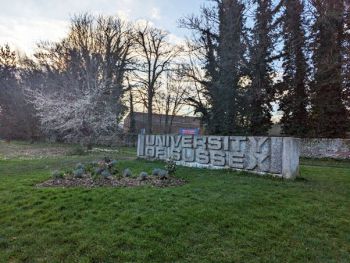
<point>89,182</point>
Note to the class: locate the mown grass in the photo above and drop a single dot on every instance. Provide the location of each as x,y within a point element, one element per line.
<point>219,216</point>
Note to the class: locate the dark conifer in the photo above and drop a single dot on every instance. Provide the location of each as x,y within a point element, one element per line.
<point>229,57</point>
<point>260,94</point>
<point>329,114</point>
<point>294,99</point>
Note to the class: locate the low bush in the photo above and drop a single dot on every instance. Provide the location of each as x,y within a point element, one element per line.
<point>163,174</point>
<point>156,171</point>
<point>143,176</point>
<point>127,173</point>
<point>106,174</point>
<point>57,174</point>
<point>80,166</point>
<point>79,173</point>
<point>170,166</point>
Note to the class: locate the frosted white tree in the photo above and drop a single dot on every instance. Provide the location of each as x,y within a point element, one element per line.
<point>79,98</point>
<point>74,119</point>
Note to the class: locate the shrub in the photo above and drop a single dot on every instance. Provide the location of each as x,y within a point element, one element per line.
<point>107,159</point>
<point>163,174</point>
<point>103,165</point>
<point>90,168</point>
<point>106,174</point>
<point>113,170</point>
<point>127,173</point>
<point>98,171</point>
<point>80,166</point>
<point>96,176</point>
<point>143,176</point>
<point>68,172</point>
<point>170,166</point>
<point>57,174</point>
<point>78,173</point>
<point>113,163</point>
<point>156,171</point>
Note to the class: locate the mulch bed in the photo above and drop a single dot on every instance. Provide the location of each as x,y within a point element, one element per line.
<point>89,182</point>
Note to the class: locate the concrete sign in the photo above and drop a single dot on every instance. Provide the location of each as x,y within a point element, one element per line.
<point>263,155</point>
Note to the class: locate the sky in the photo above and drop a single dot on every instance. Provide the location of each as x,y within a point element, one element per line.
<point>23,23</point>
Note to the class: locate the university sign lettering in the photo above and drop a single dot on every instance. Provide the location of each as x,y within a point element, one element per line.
<point>278,156</point>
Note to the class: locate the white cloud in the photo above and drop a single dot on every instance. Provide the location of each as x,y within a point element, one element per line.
<point>24,34</point>
<point>177,40</point>
<point>24,23</point>
<point>155,13</point>
<point>143,22</point>
<point>124,14</point>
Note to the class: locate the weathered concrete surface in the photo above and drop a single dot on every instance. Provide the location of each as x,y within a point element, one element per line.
<point>263,155</point>
<point>290,158</point>
<point>325,148</point>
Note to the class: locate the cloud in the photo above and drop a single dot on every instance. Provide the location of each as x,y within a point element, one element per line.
<point>143,22</point>
<point>155,13</point>
<point>124,14</point>
<point>24,23</point>
<point>23,34</point>
<point>177,40</point>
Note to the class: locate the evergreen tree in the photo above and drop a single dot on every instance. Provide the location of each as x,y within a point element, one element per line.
<point>218,44</point>
<point>260,94</point>
<point>329,114</point>
<point>294,98</point>
<point>229,57</point>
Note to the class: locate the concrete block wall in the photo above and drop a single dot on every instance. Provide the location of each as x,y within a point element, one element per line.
<point>325,148</point>
<point>278,156</point>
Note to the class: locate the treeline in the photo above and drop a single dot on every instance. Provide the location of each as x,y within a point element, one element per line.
<point>80,88</point>
<point>261,52</point>
<point>245,59</point>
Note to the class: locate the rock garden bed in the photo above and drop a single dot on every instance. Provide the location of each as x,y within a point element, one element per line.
<point>105,173</point>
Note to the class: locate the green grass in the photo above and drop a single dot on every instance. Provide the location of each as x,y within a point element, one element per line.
<point>219,216</point>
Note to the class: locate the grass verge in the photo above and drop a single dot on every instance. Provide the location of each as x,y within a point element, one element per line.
<point>219,216</point>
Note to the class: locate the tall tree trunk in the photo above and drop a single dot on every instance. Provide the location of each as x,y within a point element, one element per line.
<point>149,114</point>
<point>132,129</point>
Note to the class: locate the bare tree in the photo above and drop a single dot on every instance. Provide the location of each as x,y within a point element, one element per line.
<point>155,55</point>
<point>172,98</point>
<point>131,102</point>
<point>80,95</point>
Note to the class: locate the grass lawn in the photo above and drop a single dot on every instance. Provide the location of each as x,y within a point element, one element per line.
<point>219,216</point>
